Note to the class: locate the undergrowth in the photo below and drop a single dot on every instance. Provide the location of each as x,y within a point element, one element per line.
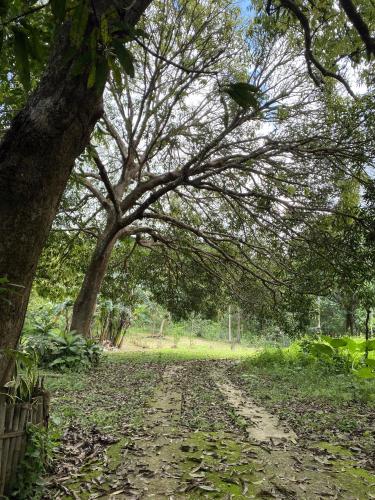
<point>298,372</point>
<point>37,459</point>
<point>320,400</point>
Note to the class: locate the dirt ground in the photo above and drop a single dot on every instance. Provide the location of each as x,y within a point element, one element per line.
<point>202,436</point>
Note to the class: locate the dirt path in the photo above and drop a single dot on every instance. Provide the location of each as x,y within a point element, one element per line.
<point>202,437</point>
<point>263,427</point>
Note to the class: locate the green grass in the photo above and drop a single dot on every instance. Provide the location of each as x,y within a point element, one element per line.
<point>306,377</point>
<point>316,399</point>
<point>106,396</point>
<point>142,347</point>
<point>169,355</point>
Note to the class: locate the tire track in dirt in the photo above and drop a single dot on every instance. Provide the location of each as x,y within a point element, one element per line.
<point>155,471</point>
<point>290,471</point>
<point>263,427</point>
<point>252,457</point>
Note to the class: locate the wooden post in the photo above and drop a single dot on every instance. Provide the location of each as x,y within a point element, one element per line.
<point>14,417</point>
<point>161,331</point>
<point>20,442</point>
<point>238,325</point>
<point>230,324</point>
<point>12,444</point>
<point>2,431</point>
<point>9,412</point>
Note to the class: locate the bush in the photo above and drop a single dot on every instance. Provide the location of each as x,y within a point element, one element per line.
<point>38,457</point>
<point>63,350</point>
<point>343,354</point>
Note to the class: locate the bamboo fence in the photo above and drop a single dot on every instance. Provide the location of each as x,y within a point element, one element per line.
<point>14,417</point>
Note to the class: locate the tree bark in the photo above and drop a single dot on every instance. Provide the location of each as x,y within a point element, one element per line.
<point>349,322</point>
<point>84,306</point>
<point>318,323</point>
<point>36,157</point>
<point>370,323</point>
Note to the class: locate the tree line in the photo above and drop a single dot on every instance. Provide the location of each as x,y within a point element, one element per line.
<point>229,142</point>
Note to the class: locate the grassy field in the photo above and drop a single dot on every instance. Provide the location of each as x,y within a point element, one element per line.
<point>320,402</point>
<point>107,417</point>
<point>145,346</point>
<point>314,397</point>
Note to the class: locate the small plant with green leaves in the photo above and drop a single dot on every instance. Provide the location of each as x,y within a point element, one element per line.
<point>26,382</point>
<point>346,354</point>
<point>72,351</point>
<point>37,459</point>
<point>61,350</point>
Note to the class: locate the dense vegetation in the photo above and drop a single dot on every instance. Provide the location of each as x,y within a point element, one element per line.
<point>192,180</point>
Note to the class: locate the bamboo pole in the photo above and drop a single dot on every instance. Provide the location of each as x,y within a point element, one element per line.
<point>12,445</point>
<point>2,430</point>
<point>18,456</point>
<point>28,410</point>
<point>8,427</point>
<point>13,439</point>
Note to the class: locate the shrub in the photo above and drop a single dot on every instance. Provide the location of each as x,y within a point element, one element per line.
<point>63,350</point>
<point>38,457</point>
<point>26,382</point>
<point>342,354</point>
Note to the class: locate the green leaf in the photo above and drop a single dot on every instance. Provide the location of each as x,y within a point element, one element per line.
<point>244,94</point>
<point>365,372</point>
<point>80,64</point>
<point>58,9</point>
<point>92,76</point>
<point>129,31</point>
<point>104,31</point>
<point>101,74</point>
<point>116,72</point>
<point>361,346</point>
<point>334,342</point>
<point>319,348</point>
<point>34,46</point>
<point>371,345</point>
<point>57,361</point>
<point>55,420</point>
<point>79,23</point>
<point>139,32</point>
<point>124,56</point>
<point>22,58</point>
<point>4,6</point>
<point>354,346</point>
<point>370,363</point>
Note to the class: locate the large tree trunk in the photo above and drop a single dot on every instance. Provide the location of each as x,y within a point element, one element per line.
<point>36,157</point>
<point>84,306</point>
